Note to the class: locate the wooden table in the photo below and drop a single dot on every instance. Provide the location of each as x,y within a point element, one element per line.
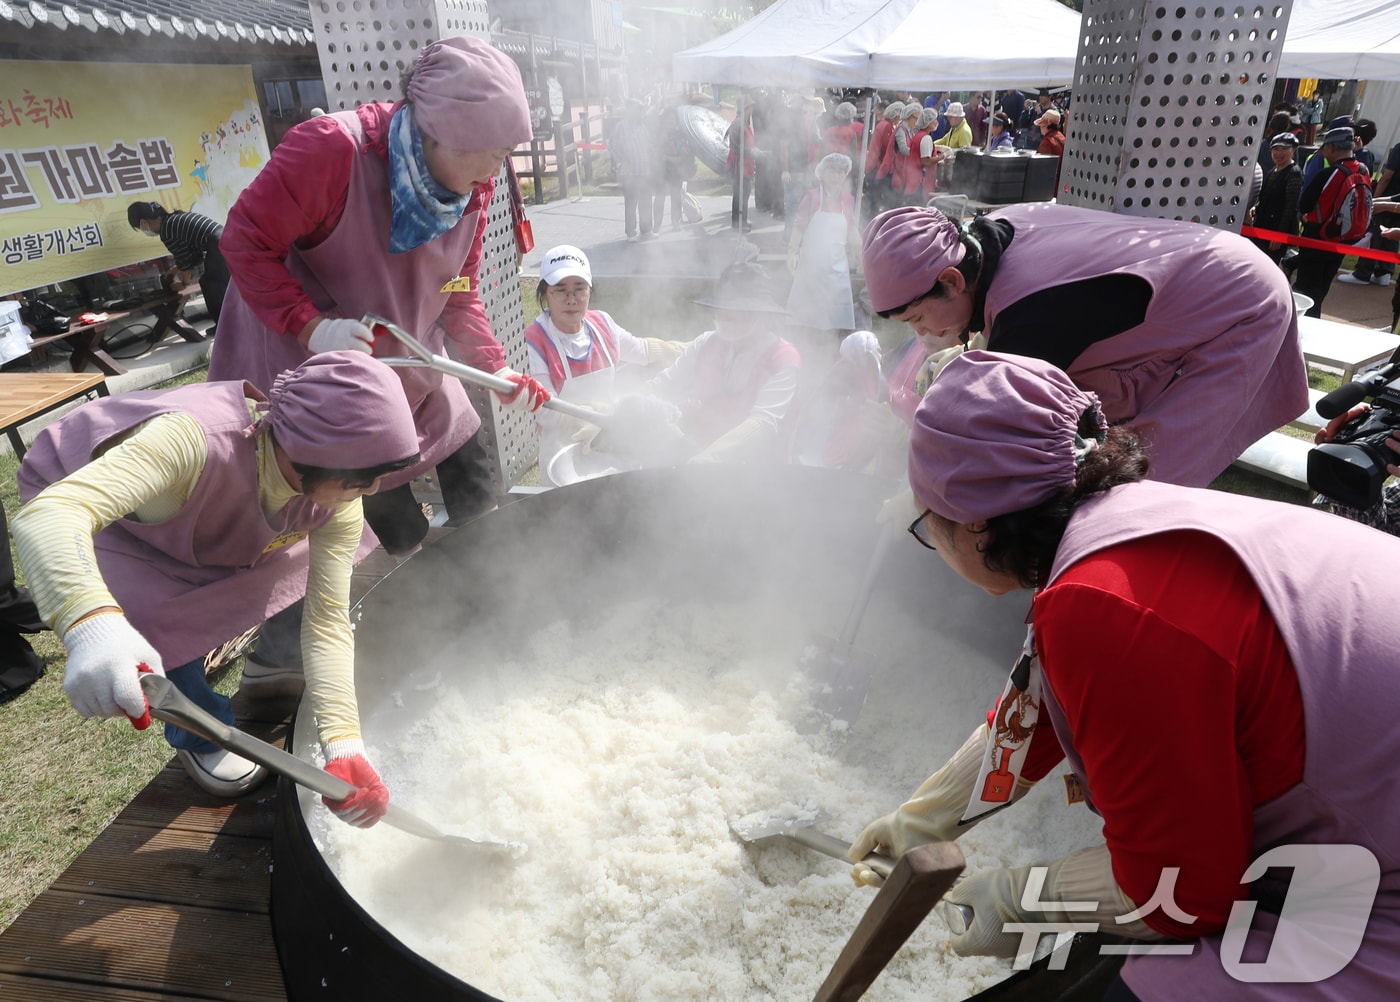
<point>26,395</point>
<point>1344,346</point>
<point>168,309</point>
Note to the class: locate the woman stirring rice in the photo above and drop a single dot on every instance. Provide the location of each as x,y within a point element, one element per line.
<point>1209,684</point>
<point>158,525</point>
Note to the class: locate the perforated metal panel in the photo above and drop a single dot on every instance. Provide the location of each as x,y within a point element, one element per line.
<point>365,46</point>
<point>1170,105</point>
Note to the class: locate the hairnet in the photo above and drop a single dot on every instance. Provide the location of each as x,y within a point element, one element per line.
<point>905,250</point>
<point>837,163</point>
<point>341,410</point>
<point>894,111</point>
<point>996,434</point>
<point>468,96</point>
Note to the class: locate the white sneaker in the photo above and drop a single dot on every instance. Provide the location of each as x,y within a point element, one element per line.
<point>262,681</point>
<point>222,773</point>
<point>1351,279</point>
<point>1381,280</point>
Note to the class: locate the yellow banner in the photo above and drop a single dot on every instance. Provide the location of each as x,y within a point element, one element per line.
<point>79,142</point>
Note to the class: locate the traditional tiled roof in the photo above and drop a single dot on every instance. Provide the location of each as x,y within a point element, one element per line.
<point>256,22</point>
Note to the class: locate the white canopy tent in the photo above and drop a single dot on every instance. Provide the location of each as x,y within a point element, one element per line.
<point>1342,40</point>
<point>891,43</point>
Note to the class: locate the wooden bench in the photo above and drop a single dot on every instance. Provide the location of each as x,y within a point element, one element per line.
<point>1280,457</point>
<point>86,339</point>
<point>27,395</point>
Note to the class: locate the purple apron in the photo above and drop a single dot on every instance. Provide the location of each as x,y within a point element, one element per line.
<point>1343,636</point>
<point>351,273</point>
<point>1209,371</point>
<point>217,568</point>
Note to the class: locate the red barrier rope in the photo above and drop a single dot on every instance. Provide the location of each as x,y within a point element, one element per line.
<point>1389,257</point>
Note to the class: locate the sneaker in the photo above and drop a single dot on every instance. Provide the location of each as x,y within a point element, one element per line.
<point>221,773</point>
<point>264,681</point>
<point>1351,279</point>
<point>1381,280</point>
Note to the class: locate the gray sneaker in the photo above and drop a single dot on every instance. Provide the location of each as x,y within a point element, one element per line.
<point>1381,280</point>
<point>1351,279</point>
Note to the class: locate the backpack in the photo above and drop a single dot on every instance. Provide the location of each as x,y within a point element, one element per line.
<point>1343,210</point>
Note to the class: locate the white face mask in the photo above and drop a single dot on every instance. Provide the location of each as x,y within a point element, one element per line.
<point>150,233</point>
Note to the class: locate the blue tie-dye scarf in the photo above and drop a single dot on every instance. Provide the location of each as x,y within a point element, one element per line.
<point>423,209</point>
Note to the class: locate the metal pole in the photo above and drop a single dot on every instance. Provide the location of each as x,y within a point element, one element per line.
<point>864,147</point>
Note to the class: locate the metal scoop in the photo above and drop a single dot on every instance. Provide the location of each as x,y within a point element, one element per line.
<point>171,705</point>
<point>797,826</point>
<point>421,356</point>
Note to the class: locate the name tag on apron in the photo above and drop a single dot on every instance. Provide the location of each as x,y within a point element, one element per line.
<point>459,284</point>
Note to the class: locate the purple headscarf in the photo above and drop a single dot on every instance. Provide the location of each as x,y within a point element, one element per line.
<point>905,250</point>
<point>996,434</point>
<point>468,96</point>
<point>341,410</point>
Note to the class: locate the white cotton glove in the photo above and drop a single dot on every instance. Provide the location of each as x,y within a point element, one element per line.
<point>1077,889</point>
<point>345,759</point>
<point>900,510</point>
<point>793,255</point>
<point>529,394</point>
<point>931,814</point>
<point>738,443</point>
<point>663,351</point>
<point>340,334</point>
<point>102,678</point>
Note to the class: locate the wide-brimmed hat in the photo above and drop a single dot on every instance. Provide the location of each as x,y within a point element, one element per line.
<point>1051,117</point>
<point>743,288</point>
<point>954,110</point>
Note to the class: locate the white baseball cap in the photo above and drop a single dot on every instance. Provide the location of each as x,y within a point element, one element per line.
<point>565,261</point>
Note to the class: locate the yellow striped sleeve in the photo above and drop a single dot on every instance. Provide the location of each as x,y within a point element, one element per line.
<point>151,472</point>
<point>327,642</point>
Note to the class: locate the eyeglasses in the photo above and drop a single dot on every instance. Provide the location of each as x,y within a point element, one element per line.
<point>563,293</point>
<point>919,529</point>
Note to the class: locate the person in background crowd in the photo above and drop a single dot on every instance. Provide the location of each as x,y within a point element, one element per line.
<point>1193,338</point>
<point>193,240</point>
<point>1310,117</point>
<point>879,159</point>
<point>794,154</point>
<point>635,161</point>
<point>977,116</point>
<point>20,664</point>
<point>908,166</point>
<point>959,134</point>
<point>676,165</point>
<point>575,351</point>
<point>1052,139</point>
<point>1013,102</point>
<point>1365,135</point>
<point>825,240</point>
<point>159,524</point>
<point>741,166</point>
<point>1001,133</point>
<point>1277,207</point>
<point>926,182</point>
<point>381,210</point>
<point>1316,268</point>
<point>1368,269</point>
<point>767,130</point>
<point>1201,681</point>
<point>845,136</point>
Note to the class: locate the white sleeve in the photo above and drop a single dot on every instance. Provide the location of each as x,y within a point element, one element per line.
<point>926,146</point>
<point>774,399</point>
<point>675,380</point>
<point>630,348</point>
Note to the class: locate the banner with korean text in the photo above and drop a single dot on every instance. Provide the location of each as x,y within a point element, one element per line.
<point>81,141</point>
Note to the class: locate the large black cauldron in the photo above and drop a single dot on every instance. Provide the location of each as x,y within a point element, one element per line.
<point>779,539</point>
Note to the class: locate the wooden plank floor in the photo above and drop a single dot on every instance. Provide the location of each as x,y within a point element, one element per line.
<point>171,901</point>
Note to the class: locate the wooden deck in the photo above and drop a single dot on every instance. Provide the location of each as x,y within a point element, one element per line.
<point>171,901</point>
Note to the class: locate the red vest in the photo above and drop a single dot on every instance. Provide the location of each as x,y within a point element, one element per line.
<point>598,327</point>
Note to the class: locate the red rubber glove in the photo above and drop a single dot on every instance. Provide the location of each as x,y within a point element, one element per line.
<point>366,805</point>
<point>530,394</point>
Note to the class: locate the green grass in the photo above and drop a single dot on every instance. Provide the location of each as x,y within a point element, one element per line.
<point>64,778</point>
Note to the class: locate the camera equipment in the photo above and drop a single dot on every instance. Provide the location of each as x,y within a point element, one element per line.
<point>1351,468</point>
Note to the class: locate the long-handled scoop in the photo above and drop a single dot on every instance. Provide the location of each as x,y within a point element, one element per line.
<point>798,826</point>
<point>171,705</point>
<point>842,670</point>
<point>423,357</point>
